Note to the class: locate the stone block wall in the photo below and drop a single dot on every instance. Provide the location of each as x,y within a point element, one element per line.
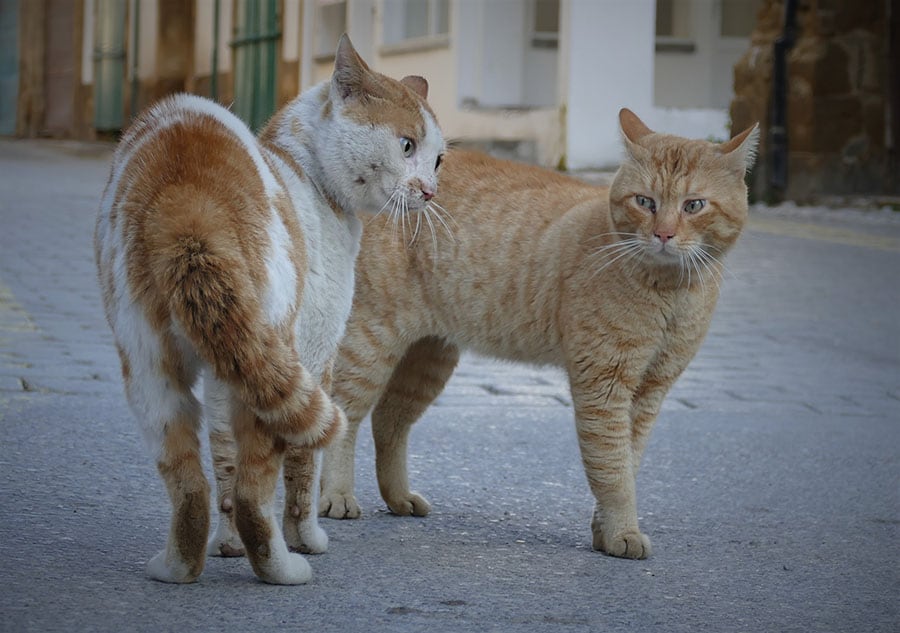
<point>842,85</point>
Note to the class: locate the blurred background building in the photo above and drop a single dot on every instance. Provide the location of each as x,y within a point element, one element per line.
<point>535,80</point>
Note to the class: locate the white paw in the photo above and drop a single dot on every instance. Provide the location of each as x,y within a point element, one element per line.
<point>314,540</point>
<point>338,505</point>
<point>305,536</point>
<point>169,571</point>
<point>225,541</point>
<point>291,569</point>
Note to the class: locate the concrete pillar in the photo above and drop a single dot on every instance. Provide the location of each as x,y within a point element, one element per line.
<point>606,63</point>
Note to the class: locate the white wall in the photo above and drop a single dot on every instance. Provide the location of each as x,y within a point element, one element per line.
<point>606,63</point>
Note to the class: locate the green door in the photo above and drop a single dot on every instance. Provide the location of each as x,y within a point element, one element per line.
<point>9,65</point>
<point>255,59</point>
<point>109,64</point>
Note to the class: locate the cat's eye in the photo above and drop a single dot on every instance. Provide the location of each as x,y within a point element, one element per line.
<point>692,206</point>
<point>647,203</point>
<point>408,146</point>
<point>438,162</point>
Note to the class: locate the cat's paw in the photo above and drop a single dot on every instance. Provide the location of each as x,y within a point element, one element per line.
<point>627,544</point>
<point>410,504</point>
<point>339,506</point>
<point>290,569</point>
<point>305,537</point>
<point>225,541</point>
<point>170,570</point>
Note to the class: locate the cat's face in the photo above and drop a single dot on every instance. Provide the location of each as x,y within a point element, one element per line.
<point>680,202</point>
<point>387,143</point>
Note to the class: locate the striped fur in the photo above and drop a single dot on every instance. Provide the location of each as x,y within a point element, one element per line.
<point>232,257</point>
<point>545,269</point>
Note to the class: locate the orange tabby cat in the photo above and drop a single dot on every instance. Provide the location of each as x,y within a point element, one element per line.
<point>232,257</point>
<point>616,286</point>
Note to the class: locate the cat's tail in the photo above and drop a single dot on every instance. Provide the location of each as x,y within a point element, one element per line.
<point>200,267</point>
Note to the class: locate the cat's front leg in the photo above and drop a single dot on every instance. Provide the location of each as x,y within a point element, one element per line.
<point>302,472</point>
<point>602,418</point>
<point>225,540</point>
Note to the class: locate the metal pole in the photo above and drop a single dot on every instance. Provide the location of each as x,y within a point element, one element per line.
<point>778,134</point>
<point>214,80</point>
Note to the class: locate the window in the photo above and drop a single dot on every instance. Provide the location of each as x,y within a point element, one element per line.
<point>673,26</point>
<point>415,21</point>
<point>331,23</point>
<point>546,24</point>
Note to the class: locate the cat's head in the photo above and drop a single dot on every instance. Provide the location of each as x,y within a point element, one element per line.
<point>680,202</point>
<point>383,147</point>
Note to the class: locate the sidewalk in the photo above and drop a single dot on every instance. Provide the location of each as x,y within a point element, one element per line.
<point>770,488</point>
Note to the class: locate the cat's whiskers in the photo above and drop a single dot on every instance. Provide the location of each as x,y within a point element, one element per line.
<point>710,263</point>
<point>611,253</point>
<point>439,214</point>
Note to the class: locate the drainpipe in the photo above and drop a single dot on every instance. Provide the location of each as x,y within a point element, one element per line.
<point>778,137</point>
<point>214,80</point>
<point>135,35</point>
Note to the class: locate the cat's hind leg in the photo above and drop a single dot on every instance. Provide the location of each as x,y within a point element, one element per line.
<point>169,417</point>
<point>225,540</point>
<point>302,473</point>
<point>417,380</point>
<point>259,458</point>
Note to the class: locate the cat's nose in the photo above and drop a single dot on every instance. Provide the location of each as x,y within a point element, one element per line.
<point>428,195</point>
<point>664,237</point>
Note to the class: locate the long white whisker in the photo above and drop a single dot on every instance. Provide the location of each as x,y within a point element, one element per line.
<point>416,232</point>
<point>628,252</point>
<point>427,212</point>
<point>438,211</point>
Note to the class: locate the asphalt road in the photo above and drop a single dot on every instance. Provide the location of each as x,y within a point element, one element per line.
<point>770,488</point>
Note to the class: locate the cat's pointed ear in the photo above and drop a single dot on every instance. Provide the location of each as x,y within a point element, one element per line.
<point>417,84</point>
<point>349,70</point>
<point>632,127</point>
<point>741,150</point>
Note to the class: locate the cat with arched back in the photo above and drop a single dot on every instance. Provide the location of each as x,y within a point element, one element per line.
<point>231,257</point>
<point>615,285</point>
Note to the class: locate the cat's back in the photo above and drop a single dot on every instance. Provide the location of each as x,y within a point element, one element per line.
<point>186,141</point>
<point>473,181</point>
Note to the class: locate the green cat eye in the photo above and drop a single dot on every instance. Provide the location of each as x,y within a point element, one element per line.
<point>408,147</point>
<point>647,203</point>
<point>692,206</point>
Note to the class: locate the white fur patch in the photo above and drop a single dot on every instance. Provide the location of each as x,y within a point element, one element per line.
<point>281,291</point>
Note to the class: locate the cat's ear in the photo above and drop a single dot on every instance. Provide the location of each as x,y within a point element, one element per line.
<point>741,150</point>
<point>417,84</point>
<point>350,70</point>
<point>633,129</point>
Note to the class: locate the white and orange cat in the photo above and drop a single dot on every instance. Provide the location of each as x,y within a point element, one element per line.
<point>617,286</point>
<point>232,257</point>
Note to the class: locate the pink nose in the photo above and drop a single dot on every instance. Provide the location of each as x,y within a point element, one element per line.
<point>664,237</point>
<point>428,195</point>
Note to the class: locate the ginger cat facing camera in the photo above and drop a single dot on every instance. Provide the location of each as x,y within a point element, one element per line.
<point>617,286</point>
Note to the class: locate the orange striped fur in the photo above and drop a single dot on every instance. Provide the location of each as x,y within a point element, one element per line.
<point>232,257</point>
<point>617,286</point>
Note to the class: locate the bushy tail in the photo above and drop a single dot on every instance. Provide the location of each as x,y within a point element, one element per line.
<point>198,264</point>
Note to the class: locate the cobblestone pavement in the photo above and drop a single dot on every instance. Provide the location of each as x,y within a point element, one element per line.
<point>771,486</point>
